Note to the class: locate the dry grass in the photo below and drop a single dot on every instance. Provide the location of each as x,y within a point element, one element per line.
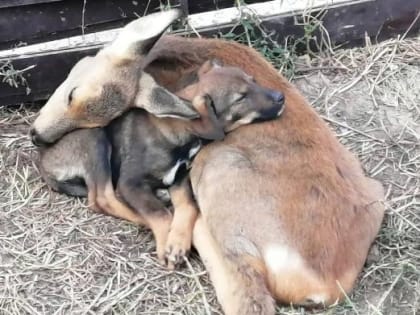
<point>57,257</point>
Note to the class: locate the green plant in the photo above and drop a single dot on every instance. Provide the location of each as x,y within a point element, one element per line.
<point>250,31</point>
<point>13,77</point>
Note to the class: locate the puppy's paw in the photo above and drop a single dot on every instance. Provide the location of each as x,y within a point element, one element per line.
<point>177,247</point>
<point>161,253</point>
<point>161,256</point>
<point>95,208</point>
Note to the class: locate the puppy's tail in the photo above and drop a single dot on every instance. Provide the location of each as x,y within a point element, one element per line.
<point>239,281</point>
<point>75,187</point>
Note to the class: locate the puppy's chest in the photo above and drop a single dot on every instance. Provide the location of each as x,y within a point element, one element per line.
<point>181,158</point>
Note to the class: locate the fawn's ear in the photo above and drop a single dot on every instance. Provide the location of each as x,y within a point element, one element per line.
<point>139,36</point>
<point>208,125</point>
<point>209,65</point>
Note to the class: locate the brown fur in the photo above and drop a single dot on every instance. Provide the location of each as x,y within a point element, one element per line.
<point>292,176</point>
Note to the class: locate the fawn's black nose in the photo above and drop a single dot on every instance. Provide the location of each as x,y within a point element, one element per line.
<point>36,138</point>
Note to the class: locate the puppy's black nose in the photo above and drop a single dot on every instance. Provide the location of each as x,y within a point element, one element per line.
<point>277,97</point>
<point>35,138</point>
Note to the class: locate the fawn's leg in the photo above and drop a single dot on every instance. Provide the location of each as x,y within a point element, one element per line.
<point>239,280</point>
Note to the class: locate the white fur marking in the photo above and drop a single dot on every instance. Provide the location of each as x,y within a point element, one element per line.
<point>280,258</point>
<point>317,298</point>
<point>280,111</point>
<point>194,150</point>
<point>69,172</point>
<point>169,178</point>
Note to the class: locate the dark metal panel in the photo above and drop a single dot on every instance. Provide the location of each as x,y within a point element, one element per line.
<point>44,78</point>
<point>15,3</point>
<point>347,25</point>
<point>34,21</point>
<point>51,20</point>
<point>196,6</point>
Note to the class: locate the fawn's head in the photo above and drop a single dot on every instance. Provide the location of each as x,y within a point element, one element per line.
<point>101,87</point>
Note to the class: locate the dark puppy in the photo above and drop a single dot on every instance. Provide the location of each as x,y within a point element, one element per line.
<point>150,153</point>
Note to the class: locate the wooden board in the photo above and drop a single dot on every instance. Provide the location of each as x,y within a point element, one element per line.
<point>15,3</point>
<point>346,24</point>
<point>50,71</point>
<point>197,6</point>
<point>34,21</point>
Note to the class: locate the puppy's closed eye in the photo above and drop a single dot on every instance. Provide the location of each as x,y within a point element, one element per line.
<point>239,97</point>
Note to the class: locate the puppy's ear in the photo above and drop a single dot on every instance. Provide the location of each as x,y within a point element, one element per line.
<point>208,125</point>
<point>160,102</point>
<point>188,92</point>
<point>209,65</point>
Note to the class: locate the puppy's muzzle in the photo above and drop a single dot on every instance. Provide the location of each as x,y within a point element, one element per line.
<point>277,108</point>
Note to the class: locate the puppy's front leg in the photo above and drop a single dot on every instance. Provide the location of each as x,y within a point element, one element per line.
<point>185,214</point>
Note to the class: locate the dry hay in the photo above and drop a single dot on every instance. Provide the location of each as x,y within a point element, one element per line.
<point>57,257</point>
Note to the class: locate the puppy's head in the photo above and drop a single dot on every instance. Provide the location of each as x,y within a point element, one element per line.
<point>232,97</point>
